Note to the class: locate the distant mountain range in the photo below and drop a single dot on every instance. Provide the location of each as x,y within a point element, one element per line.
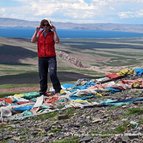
<point>9,22</point>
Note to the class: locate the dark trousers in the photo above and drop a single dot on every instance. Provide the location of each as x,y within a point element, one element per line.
<point>48,64</point>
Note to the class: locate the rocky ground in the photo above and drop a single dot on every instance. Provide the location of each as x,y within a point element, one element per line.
<point>123,124</point>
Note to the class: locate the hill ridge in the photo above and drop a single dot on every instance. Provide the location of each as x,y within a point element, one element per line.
<point>9,22</point>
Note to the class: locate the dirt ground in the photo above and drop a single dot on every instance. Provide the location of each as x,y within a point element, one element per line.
<point>18,89</point>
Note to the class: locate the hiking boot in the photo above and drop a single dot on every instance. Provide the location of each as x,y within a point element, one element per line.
<point>46,94</point>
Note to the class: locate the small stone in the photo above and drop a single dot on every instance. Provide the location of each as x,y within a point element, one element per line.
<point>96,120</point>
<point>85,139</point>
<point>47,128</point>
<point>45,139</point>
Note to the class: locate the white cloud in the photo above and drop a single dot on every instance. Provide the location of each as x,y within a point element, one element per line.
<point>140,13</point>
<point>131,14</point>
<point>127,14</point>
<point>75,10</point>
<point>2,10</point>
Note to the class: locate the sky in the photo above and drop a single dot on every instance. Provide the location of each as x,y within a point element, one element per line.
<point>76,11</point>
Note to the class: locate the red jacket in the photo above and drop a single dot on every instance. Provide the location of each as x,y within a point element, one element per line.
<point>46,45</point>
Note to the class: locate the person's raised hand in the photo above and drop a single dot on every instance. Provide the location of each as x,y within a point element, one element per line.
<point>53,28</point>
<point>37,29</point>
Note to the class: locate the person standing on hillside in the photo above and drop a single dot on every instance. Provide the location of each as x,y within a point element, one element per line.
<point>46,37</point>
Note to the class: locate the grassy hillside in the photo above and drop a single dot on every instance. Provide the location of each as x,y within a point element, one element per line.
<point>77,58</point>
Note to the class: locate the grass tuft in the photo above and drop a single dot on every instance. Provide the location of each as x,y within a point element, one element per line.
<point>132,111</point>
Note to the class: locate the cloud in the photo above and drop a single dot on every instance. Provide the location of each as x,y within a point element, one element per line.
<point>127,14</point>
<point>2,10</point>
<point>131,14</point>
<point>84,11</point>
